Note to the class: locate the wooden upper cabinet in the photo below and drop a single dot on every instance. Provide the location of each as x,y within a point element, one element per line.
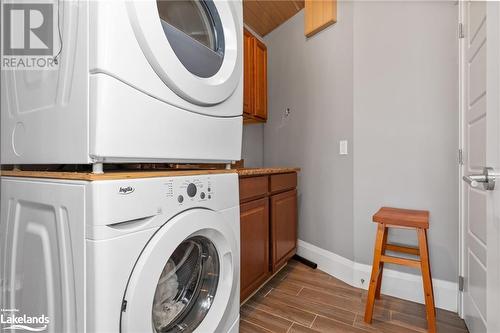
<point>248,72</point>
<point>319,14</point>
<point>260,54</point>
<point>254,79</point>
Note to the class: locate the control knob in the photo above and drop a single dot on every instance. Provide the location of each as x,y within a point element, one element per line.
<point>191,190</point>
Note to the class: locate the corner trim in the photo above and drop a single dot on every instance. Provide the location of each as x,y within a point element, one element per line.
<point>395,283</point>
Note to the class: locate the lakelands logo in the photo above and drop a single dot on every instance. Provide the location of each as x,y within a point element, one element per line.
<point>28,31</point>
<point>10,319</point>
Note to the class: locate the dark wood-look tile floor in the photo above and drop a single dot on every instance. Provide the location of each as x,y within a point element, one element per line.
<point>302,300</point>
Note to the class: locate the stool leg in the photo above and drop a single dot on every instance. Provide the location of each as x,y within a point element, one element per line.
<point>430,274</point>
<point>381,273</point>
<point>377,253</point>
<point>427,280</point>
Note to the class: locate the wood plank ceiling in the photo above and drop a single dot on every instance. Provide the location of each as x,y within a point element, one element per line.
<point>263,16</point>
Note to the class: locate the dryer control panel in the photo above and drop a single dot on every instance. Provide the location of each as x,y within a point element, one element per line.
<point>190,190</point>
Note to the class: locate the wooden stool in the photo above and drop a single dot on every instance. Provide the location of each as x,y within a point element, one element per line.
<point>401,218</point>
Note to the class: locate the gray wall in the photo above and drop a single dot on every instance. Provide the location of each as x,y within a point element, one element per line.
<point>406,122</point>
<point>253,145</point>
<point>384,78</point>
<point>314,79</point>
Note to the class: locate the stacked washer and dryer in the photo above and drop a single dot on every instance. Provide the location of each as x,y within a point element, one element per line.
<point>137,81</point>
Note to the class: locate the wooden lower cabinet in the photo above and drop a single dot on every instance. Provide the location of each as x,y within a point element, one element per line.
<point>254,230</point>
<point>268,227</point>
<point>283,227</point>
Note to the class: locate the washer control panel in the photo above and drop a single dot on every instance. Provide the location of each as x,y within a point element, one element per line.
<point>190,190</point>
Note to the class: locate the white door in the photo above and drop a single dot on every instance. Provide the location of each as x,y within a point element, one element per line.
<point>481,200</point>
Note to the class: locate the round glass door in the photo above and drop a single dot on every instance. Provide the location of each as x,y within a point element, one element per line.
<point>194,30</point>
<point>194,46</point>
<point>186,287</point>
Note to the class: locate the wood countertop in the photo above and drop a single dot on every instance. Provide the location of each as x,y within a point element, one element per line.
<point>244,172</point>
<point>111,175</point>
<point>133,174</point>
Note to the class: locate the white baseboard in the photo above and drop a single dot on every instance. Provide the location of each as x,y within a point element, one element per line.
<point>395,283</point>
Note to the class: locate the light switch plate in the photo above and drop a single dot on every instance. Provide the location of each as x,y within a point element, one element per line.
<point>343,147</point>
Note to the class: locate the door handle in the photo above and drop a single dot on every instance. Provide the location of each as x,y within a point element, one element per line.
<point>486,179</point>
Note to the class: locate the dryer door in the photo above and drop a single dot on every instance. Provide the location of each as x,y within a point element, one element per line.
<point>183,280</point>
<point>194,46</point>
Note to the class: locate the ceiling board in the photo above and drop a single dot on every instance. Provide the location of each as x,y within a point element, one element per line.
<point>263,16</point>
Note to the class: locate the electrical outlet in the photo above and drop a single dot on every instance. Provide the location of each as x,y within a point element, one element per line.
<point>343,147</point>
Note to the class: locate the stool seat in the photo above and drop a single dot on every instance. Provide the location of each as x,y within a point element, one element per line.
<point>407,218</point>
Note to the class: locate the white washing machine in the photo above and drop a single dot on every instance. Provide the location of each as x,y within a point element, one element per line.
<point>137,81</point>
<point>128,255</point>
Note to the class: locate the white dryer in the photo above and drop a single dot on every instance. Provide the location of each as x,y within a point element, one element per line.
<point>137,81</point>
<point>127,255</point>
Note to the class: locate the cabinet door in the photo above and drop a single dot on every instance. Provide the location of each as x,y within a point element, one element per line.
<point>260,86</point>
<point>248,73</point>
<point>283,227</point>
<point>319,14</point>
<point>254,231</point>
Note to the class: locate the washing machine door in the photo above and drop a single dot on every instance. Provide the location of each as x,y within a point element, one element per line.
<point>195,46</point>
<point>183,280</point>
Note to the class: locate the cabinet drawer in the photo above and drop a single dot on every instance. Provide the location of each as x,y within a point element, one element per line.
<point>253,187</point>
<point>283,182</point>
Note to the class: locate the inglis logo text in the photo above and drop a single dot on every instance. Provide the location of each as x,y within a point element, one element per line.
<point>11,320</point>
<point>126,190</point>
